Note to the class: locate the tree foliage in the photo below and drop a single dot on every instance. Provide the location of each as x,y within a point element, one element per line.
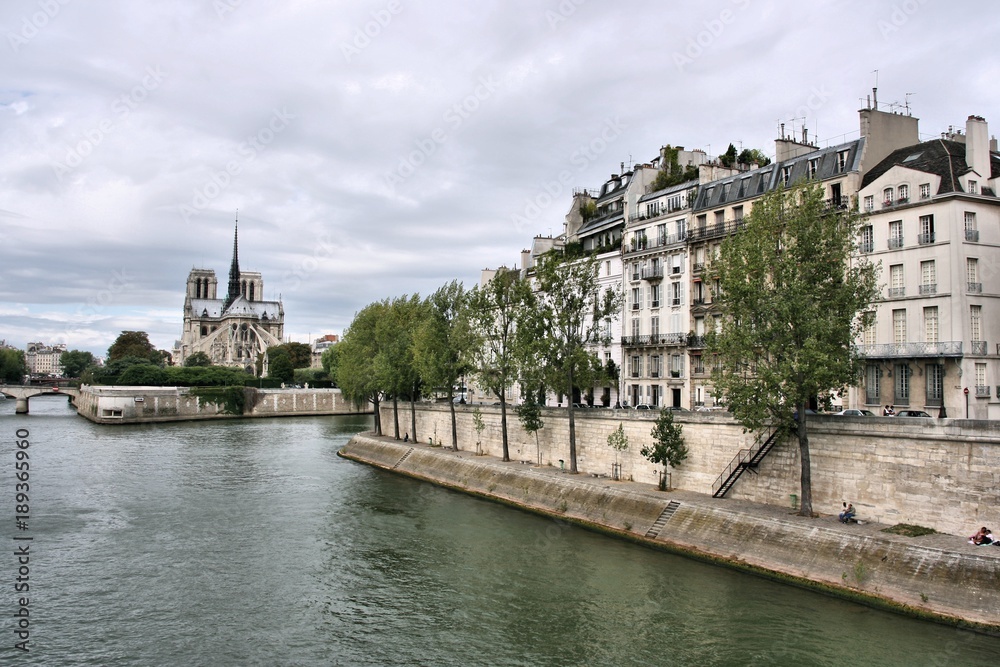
<point>529,413</point>
<point>279,364</point>
<point>501,313</point>
<point>728,159</point>
<point>356,367</point>
<point>394,362</point>
<point>134,344</point>
<point>442,344</point>
<point>751,156</point>
<point>668,448</point>
<point>299,354</point>
<point>329,360</point>
<point>198,359</point>
<point>74,362</point>
<point>574,317</point>
<point>793,296</point>
<point>12,366</point>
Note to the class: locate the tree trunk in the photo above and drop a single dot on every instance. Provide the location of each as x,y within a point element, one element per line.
<point>805,502</point>
<point>378,417</point>
<point>538,449</point>
<point>395,416</point>
<point>413,418</point>
<point>503,427</point>
<point>572,427</point>
<point>454,426</point>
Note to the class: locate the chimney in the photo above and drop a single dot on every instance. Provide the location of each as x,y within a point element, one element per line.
<point>977,146</point>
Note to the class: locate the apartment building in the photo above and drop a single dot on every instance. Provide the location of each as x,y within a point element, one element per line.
<point>42,359</point>
<point>934,226</point>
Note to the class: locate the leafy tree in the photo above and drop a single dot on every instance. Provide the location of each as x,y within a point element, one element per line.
<point>329,360</point>
<point>442,344</point>
<point>356,367</point>
<point>794,296</point>
<point>198,359</point>
<point>500,312</point>
<point>279,364</point>
<point>134,344</point>
<point>728,159</point>
<point>74,362</point>
<point>574,317</point>
<point>530,415</point>
<point>755,156</point>
<point>394,361</point>
<point>618,441</point>
<point>668,448</point>
<point>145,375</point>
<point>12,366</point>
<point>299,354</point>
<point>480,426</point>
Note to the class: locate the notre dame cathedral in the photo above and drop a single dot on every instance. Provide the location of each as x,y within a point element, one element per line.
<point>231,331</point>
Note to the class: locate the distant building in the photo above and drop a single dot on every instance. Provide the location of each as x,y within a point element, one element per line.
<point>42,359</point>
<point>321,345</point>
<point>233,331</point>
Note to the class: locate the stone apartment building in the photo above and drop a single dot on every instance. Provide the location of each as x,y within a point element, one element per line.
<point>42,359</point>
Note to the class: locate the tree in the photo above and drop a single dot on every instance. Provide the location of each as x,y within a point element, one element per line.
<point>529,412</point>
<point>329,360</point>
<point>618,441</point>
<point>479,425</point>
<point>575,316</point>
<point>794,296</point>
<point>442,344</point>
<point>12,366</point>
<point>279,364</point>
<point>499,312</point>
<point>394,361</point>
<point>749,156</point>
<point>198,359</point>
<point>74,362</point>
<point>668,448</point>
<point>299,354</point>
<point>728,159</point>
<point>134,344</point>
<point>356,373</point>
<point>144,375</point>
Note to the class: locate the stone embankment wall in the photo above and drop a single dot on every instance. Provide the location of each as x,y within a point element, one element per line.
<point>958,583</point>
<point>135,405</point>
<point>942,474</point>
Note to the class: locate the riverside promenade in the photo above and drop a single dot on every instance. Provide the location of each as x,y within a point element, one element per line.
<point>938,576</point>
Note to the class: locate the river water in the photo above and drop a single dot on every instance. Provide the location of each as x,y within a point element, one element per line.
<point>251,543</point>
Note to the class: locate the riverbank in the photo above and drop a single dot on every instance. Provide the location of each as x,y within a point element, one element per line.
<point>142,405</point>
<point>940,577</point>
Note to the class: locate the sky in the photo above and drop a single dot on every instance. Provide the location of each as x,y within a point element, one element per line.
<point>379,148</point>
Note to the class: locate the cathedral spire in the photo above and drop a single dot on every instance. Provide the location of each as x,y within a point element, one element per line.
<point>234,268</point>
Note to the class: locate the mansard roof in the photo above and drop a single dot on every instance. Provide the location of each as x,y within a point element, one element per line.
<point>941,157</point>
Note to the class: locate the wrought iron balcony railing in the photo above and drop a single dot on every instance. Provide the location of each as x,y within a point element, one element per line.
<point>951,348</point>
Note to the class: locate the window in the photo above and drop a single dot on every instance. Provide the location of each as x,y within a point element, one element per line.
<point>899,326</point>
<point>677,264</point>
<point>681,229</point>
<point>636,270</point>
<point>813,164</point>
<point>654,366</point>
<point>867,239</point>
<point>654,295</point>
<point>975,323</point>
<point>928,277</point>
<point>972,276</point>
<point>870,203</point>
<point>895,234</point>
<point>635,327</point>
<point>973,188</point>
<point>636,297</point>
<point>869,330</point>
<point>635,368</point>
<point>654,326</point>
<point>926,229</point>
<point>935,384</point>
<point>737,213</point>
<point>971,227</point>
<point>896,285</point>
<point>720,219</point>
<point>661,234</point>
<point>902,194</point>
<point>607,268</point>
<point>887,197</point>
<point>786,175</point>
<point>902,384</point>
<point>931,324</point>
<point>676,293</point>
<point>842,160</point>
<point>873,375</point>
<point>925,190</point>
<point>982,389</point>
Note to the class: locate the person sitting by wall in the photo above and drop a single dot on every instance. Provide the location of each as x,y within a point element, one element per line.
<point>983,537</point>
<point>847,516</point>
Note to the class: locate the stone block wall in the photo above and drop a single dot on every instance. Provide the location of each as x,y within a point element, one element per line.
<point>943,474</point>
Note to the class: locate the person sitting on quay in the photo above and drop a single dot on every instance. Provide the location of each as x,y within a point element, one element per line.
<point>983,537</point>
<point>847,516</point>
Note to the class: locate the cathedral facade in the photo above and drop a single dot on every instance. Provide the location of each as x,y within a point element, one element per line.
<point>233,331</point>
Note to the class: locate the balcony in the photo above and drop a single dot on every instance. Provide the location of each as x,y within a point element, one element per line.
<point>698,370</point>
<point>867,246</point>
<point>715,230</point>
<point>635,305</point>
<point>982,391</point>
<point>699,301</point>
<point>978,347</point>
<point>698,267</point>
<point>911,350</point>
<point>887,203</point>
<point>896,292</point>
<point>974,288</point>
<point>838,202</point>
<point>655,303</point>
<point>928,289</point>
<point>895,242</point>
<point>972,235</point>
<point>925,239</point>
<point>652,273</point>
<point>647,340</point>
<point>696,341</point>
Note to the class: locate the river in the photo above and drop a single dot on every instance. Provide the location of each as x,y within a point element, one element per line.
<point>250,542</point>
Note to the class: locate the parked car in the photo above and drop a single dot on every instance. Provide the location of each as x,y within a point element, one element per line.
<point>581,406</point>
<point>912,413</point>
<point>643,406</point>
<point>852,412</point>
<point>675,408</point>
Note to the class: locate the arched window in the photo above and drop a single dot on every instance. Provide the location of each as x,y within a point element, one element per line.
<point>250,296</point>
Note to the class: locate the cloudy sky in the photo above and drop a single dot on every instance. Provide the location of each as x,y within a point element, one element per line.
<point>384,147</point>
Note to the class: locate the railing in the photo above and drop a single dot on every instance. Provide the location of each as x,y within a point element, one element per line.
<point>746,458</point>
<point>660,242</point>
<point>867,246</point>
<point>895,242</point>
<point>700,301</point>
<point>696,341</point>
<point>979,347</point>
<point>982,391</point>
<point>972,235</point>
<point>974,288</point>
<point>635,305</point>
<point>698,267</point>
<point>895,292</point>
<point>838,202</point>
<point>652,273</point>
<point>698,370</point>
<point>715,230</point>
<point>924,239</point>
<point>900,350</point>
<point>635,276</point>
<point>929,288</point>
<point>655,339</point>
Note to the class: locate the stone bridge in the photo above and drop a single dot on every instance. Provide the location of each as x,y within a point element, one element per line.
<point>21,393</point>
